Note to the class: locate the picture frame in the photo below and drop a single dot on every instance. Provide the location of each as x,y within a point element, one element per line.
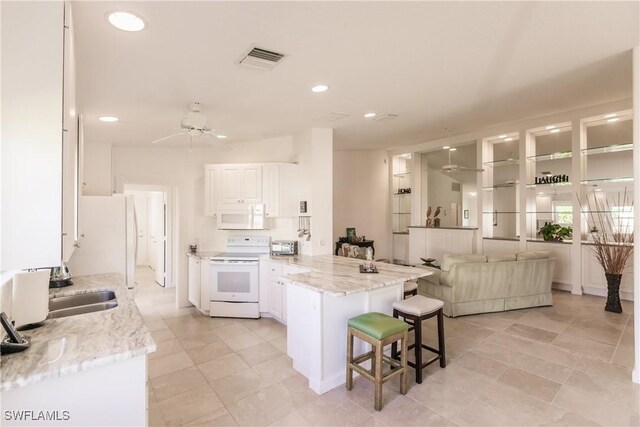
<point>351,233</point>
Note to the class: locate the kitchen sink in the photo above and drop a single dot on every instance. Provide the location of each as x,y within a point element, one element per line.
<point>81,303</point>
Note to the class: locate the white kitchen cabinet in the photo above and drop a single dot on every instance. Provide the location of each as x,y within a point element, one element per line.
<point>273,290</point>
<point>240,184</point>
<point>276,291</point>
<point>70,144</point>
<point>32,111</point>
<point>194,281</point>
<point>210,190</point>
<point>271,189</point>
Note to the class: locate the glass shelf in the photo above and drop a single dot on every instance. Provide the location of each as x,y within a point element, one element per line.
<point>503,185</point>
<point>553,184</point>
<point>606,180</point>
<point>401,194</point>
<point>402,213</point>
<point>552,156</point>
<point>402,175</point>
<point>498,212</point>
<point>499,163</point>
<point>614,148</point>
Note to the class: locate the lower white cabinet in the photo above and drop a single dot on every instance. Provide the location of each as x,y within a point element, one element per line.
<point>273,290</point>
<point>195,281</point>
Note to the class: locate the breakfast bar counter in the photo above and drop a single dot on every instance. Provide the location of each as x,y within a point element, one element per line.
<point>321,300</point>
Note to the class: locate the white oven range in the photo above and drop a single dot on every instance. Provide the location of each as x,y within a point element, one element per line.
<point>234,277</point>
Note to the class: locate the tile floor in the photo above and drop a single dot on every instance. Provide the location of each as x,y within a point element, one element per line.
<point>568,365</point>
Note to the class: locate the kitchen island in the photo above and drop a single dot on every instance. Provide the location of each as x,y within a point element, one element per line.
<point>87,369</point>
<point>321,300</point>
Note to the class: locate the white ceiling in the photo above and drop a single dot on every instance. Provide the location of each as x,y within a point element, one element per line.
<point>458,65</point>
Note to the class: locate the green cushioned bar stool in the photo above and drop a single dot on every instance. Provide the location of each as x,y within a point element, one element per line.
<point>414,310</point>
<point>378,330</point>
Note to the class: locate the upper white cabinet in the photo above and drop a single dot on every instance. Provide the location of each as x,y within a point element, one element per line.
<point>70,144</point>
<point>240,184</point>
<point>274,184</point>
<point>32,133</point>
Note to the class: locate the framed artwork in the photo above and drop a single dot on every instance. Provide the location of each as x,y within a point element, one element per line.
<point>351,233</point>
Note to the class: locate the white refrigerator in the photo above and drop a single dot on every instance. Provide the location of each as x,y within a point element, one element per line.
<point>108,237</point>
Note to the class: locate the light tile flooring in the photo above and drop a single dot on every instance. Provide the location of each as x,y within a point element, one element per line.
<point>563,365</point>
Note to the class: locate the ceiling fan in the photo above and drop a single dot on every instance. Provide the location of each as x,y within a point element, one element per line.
<point>196,125</point>
<point>452,168</point>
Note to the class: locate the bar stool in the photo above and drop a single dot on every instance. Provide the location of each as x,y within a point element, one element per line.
<point>378,330</point>
<point>414,310</point>
<point>410,288</point>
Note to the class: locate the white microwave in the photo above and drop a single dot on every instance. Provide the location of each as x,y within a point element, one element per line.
<point>241,216</point>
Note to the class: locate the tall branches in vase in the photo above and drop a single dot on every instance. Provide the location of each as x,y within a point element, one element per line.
<point>610,225</point>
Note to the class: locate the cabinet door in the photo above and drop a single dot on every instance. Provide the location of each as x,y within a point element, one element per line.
<point>271,190</point>
<point>275,291</point>
<point>32,79</point>
<point>194,281</point>
<point>251,184</point>
<point>210,190</point>
<point>230,190</point>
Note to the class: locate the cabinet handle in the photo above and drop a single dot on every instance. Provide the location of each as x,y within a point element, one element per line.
<point>65,130</point>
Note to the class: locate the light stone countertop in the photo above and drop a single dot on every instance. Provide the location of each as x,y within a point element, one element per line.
<point>204,254</point>
<point>340,276</point>
<point>77,343</point>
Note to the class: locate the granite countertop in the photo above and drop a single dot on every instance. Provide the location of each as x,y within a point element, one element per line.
<point>77,343</point>
<point>203,254</point>
<point>339,276</point>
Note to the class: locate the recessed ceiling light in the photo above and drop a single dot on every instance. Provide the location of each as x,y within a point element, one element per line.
<point>473,193</point>
<point>508,139</point>
<point>108,119</point>
<point>541,193</point>
<point>502,136</point>
<point>613,119</point>
<point>126,21</point>
<point>320,88</point>
<point>452,149</point>
<point>555,130</point>
<point>221,136</point>
<point>369,115</point>
<point>446,147</point>
<point>608,116</point>
<point>550,127</point>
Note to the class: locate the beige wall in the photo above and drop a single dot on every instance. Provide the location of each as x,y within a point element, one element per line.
<point>361,197</point>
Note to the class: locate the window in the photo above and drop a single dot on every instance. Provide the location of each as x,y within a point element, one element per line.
<point>563,213</point>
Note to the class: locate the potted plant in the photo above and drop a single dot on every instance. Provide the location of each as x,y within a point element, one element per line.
<point>611,231</point>
<point>555,232</point>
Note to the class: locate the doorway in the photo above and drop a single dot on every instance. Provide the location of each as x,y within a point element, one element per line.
<point>153,230</point>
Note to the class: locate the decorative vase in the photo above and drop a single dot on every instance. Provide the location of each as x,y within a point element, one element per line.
<point>613,293</point>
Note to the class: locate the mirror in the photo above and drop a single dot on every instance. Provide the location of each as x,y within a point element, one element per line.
<point>455,190</point>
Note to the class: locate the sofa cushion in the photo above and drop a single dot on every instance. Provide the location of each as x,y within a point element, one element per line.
<point>450,260</point>
<point>526,255</point>
<point>501,257</point>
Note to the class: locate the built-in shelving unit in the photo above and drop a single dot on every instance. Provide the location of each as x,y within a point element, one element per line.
<point>501,163</point>
<point>401,196</point>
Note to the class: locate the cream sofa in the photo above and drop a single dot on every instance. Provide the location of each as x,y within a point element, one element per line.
<point>477,283</point>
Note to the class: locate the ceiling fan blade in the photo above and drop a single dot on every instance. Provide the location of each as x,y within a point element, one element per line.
<point>167,137</point>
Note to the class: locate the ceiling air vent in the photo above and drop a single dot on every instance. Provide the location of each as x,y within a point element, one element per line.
<point>262,58</point>
<point>385,117</point>
<point>334,116</point>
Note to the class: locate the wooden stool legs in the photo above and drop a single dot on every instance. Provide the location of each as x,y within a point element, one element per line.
<point>377,357</point>
<point>416,325</point>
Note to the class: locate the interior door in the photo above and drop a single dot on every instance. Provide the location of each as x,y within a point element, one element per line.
<point>140,201</point>
<point>160,208</point>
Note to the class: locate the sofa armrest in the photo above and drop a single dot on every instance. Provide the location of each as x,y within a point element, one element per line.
<point>438,277</point>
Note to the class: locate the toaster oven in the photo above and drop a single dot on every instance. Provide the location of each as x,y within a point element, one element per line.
<point>284,247</point>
